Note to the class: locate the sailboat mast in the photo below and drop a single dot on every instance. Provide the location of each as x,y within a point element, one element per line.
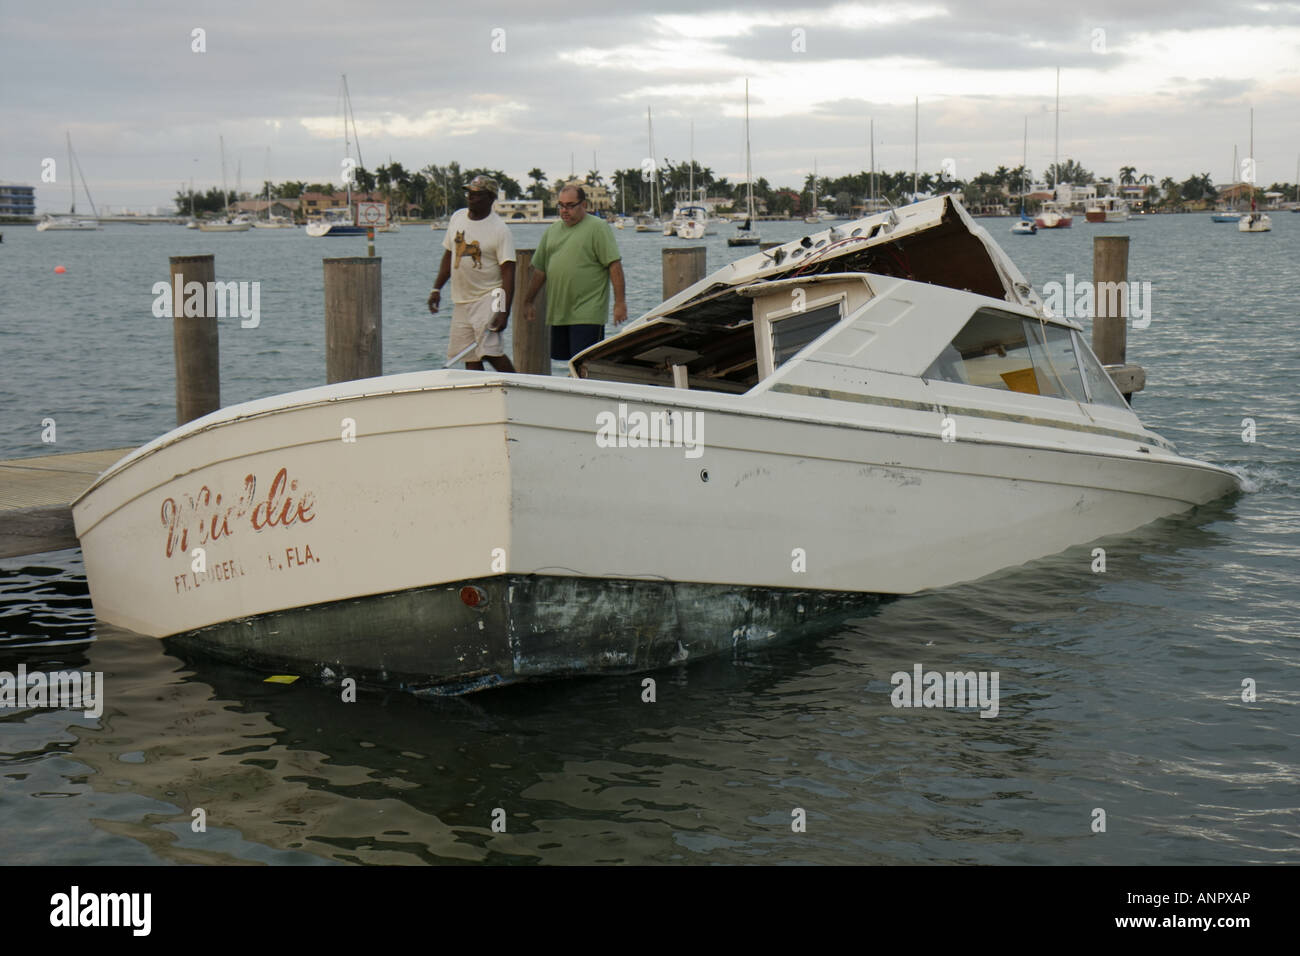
<point>873,164</point>
<point>348,115</point>
<point>225,195</point>
<point>749,174</point>
<point>1024,161</point>
<point>654,165</point>
<point>1056,148</point>
<point>916,143</point>
<point>690,176</point>
<point>1253,177</point>
<point>72,180</point>
<point>347,145</point>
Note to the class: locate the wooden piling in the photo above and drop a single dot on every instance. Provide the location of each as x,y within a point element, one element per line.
<point>194,341</point>
<point>354,342</point>
<point>1110,327</point>
<point>682,266</point>
<point>532,340</point>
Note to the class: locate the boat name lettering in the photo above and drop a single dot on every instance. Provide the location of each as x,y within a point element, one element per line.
<point>295,556</point>
<point>204,515</point>
<point>193,580</point>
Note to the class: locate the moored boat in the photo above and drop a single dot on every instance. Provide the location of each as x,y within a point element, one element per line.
<point>1107,209</point>
<point>1253,221</point>
<point>1053,215</point>
<point>746,234</point>
<point>70,222</point>
<point>877,409</point>
<point>226,224</point>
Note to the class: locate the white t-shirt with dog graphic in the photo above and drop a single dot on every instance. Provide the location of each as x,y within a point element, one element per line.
<point>477,247</point>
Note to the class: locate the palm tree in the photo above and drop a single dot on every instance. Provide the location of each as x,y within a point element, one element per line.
<point>538,189</point>
<point>594,178</point>
<point>1126,175</point>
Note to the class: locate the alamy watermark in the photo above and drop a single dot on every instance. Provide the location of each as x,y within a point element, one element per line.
<point>200,300</point>
<point>1079,300</point>
<point>77,909</point>
<point>638,429</point>
<point>952,689</point>
<point>62,690</point>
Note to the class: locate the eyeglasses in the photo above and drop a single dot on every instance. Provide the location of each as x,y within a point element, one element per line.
<point>476,192</point>
<point>571,205</point>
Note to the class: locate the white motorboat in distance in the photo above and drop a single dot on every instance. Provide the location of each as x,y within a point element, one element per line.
<point>874,409</point>
<point>67,224</point>
<point>226,224</point>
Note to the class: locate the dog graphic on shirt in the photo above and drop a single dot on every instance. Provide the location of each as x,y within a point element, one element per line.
<point>471,249</point>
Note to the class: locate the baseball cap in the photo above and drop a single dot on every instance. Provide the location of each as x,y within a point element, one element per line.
<point>483,184</point>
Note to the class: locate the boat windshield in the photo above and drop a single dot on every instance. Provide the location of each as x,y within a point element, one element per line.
<point>997,349</point>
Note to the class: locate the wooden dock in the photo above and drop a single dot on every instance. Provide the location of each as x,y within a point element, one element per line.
<point>36,496</point>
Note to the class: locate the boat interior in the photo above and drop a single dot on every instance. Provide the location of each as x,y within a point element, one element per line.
<point>712,341</point>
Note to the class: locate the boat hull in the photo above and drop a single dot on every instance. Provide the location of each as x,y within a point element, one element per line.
<point>74,225</point>
<point>1052,220</point>
<point>525,628</point>
<point>319,230</point>
<point>466,478</point>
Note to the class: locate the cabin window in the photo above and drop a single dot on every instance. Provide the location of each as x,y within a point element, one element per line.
<point>1101,387</point>
<point>792,333</point>
<point>1055,366</point>
<point>991,351</point>
<point>996,349</point>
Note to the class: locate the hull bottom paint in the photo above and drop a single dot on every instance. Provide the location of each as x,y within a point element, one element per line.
<point>526,627</point>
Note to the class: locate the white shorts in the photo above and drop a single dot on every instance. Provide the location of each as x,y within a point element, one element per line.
<point>469,322</point>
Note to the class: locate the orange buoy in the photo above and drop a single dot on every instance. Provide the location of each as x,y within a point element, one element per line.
<point>59,270</point>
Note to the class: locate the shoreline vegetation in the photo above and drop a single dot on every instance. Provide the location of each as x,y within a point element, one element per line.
<point>434,192</point>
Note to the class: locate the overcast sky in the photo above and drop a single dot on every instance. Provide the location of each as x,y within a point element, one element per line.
<point>1165,86</point>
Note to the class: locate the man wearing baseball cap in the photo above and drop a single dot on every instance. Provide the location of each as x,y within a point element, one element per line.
<point>479,258</point>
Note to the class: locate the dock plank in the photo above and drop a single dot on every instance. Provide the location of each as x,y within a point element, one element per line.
<point>36,496</point>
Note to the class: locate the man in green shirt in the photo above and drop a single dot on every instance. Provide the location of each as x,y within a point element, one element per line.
<point>578,260</point>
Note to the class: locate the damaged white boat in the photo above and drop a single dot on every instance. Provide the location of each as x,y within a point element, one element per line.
<point>876,409</point>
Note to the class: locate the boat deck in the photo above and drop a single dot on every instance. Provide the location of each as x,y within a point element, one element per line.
<point>36,496</point>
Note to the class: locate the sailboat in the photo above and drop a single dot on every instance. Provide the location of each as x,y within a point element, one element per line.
<point>341,222</point>
<point>271,222</point>
<point>690,219</point>
<point>1256,221</point>
<point>748,235</point>
<point>1026,226</point>
<point>813,215</point>
<point>70,222</point>
<point>227,223</point>
<point>1054,214</point>
<point>193,222</point>
<point>650,220</point>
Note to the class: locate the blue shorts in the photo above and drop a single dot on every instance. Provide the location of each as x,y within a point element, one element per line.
<point>568,340</point>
